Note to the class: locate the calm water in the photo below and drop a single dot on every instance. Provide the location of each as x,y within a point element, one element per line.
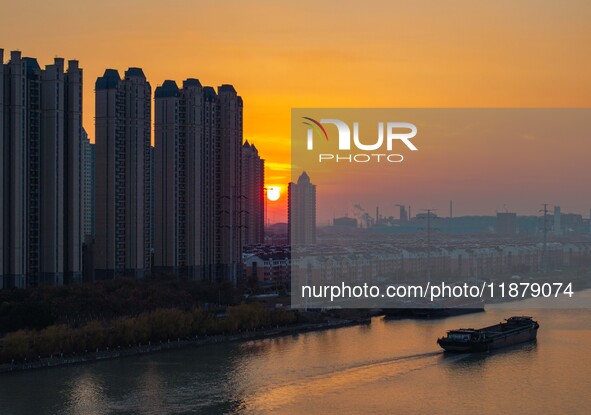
<point>388,367</point>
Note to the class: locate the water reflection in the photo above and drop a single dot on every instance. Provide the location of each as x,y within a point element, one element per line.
<point>86,394</point>
<point>465,361</point>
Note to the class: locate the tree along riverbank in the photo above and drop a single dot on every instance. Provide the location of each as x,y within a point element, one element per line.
<point>178,343</point>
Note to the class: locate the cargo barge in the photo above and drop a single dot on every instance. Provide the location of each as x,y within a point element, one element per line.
<point>514,330</point>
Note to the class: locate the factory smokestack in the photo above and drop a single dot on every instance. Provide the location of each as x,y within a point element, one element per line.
<point>557,225</point>
<point>403,214</point>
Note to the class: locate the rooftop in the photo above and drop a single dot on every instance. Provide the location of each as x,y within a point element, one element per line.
<point>168,89</point>
<point>109,80</point>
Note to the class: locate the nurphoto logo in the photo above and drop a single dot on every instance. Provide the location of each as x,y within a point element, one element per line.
<point>388,132</point>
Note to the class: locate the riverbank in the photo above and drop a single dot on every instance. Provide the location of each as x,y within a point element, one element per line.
<point>198,341</point>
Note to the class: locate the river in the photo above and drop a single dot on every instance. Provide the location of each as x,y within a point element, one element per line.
<point>390,366</point>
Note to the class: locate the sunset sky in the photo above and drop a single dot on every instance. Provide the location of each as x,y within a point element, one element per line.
<point>484,160</point>
<point>285,54</point>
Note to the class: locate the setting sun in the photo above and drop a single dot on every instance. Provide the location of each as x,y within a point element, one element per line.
<point>273,193</point>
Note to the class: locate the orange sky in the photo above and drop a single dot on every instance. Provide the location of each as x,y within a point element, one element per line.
<point>281,54</point>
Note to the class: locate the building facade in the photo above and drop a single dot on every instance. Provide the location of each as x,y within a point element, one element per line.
<point>40,172</point>
<point>197,181</point>
<point>228,170</point>
<point>122,167</point>
<point>253,189</point>
<point>301,212</point>
<point>178,154</point>
<point>88,185</point>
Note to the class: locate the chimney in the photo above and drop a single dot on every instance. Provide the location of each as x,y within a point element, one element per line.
<point>557,226</point>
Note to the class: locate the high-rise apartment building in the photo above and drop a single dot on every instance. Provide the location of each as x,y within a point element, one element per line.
<point>229,175</point>
<point>210,192</point>
<point>2,195</point>
<point>301,212</point>
<point>40,172</point>
<point>152,222</point>
<point>197,178</point>
<point>88,185</point>
<point>122,168</point>
<point>177,176</point>
<point>253,189</point>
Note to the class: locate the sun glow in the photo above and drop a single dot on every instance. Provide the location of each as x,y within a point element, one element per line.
<point>273,193</point>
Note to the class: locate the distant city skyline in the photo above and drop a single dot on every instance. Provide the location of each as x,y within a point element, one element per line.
<point>516,200</point>
<point>484,160</point>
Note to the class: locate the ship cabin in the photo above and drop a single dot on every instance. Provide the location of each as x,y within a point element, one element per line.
<point>462,335</point>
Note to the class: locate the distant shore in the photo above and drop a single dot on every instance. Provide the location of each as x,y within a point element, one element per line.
<point>198,341</point>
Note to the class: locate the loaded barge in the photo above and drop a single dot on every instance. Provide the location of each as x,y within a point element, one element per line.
<point>514,330</point>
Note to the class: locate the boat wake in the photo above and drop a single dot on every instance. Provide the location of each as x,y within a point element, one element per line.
<point>338,378</point>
